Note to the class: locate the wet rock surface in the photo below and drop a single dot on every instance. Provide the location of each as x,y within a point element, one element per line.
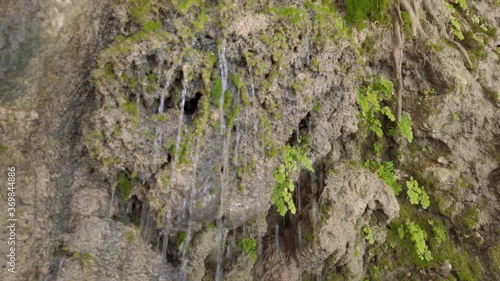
<point>115,183</point>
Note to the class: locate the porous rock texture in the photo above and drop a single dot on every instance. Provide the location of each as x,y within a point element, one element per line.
<point>90,110</point>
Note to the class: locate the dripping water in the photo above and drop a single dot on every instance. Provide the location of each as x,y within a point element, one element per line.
<point>220,240</point>
<point>189,233</point>
<point>111,201</point>
<point>277,235</point>
<point>173,178</point>
<point>236,164</point>
<point>160,130</point>
<point>260,152</point>
<point>165,238</point>
<point>314,212</point>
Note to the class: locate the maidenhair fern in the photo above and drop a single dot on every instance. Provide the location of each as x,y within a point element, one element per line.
<point>283,190</point>
<point>405,128</point>
<point>455,24</point>
<point>368,233</point>
<point>370,100</point>
<point>385,171</point>
<point>419,238</point>
<point>416,194</point>
<point>249,245</point>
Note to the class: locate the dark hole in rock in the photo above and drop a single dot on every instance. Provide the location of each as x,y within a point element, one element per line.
<point>192,105</point>
<point>134,210</point>
<point>151,60</point>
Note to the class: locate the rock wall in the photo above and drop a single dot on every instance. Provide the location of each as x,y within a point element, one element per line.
<point>144,133</point>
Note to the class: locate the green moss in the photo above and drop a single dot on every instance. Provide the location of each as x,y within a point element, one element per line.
<point>217,91</point>
<point>466,267</point>
<point>469,218</point>
<point>3,148</point>
<point>181,238</point>
<point>139,10</point>
<point>130,108</point>
<point>438,47</point>
<point>294,14</point>
<point>152,26</point>
<point>358,11</point>
<point>406,24</point>
<point>129,236</point>
<point>86,256</point>
<point>183,6</point>
<point>494,264</point>
<point>368,46</point>
<point>124,185</point>
<point>491,94</point>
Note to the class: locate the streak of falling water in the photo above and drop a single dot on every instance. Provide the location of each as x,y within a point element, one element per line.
<point>143,215</point>
<point>220,224</point>
<point>260,152</point>
<point>165,239</point>
<point>111,201</point>
<point>236,164</point>
<point>220,243</point>
<point>299,233</point>
<point>314,212</point>
<point>129,207</point>
<point>173,178</point>
<point>189,233</point>
<point>161,109</point>
<point>277,235</point>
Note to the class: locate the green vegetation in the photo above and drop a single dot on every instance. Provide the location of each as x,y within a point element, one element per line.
<point>217,91</point>
<point>3,148</point>
<point>439,232</point>
<point>385,171</point>
<point>416,194</point>
<point>419,238</point>
<point>326,25</point>
<point>368,233</point>
<point>124,185</point>
<point>358,11</point>
<point>181,238</point>
<point>405,127</point>
<point>129,236</point>
<point>130,108</point>
<point>151,26</point>
<point>283,190</point>
<point>294,14</point>
<point>250,247</point>
<point>371,100</point>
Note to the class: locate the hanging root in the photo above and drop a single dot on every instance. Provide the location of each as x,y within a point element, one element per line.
<point>397,58</point>
<point>412,11</point>
<point>444,34</point>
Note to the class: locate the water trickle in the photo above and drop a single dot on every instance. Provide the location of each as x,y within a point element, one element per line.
<point>129,207</point>
<point>220,243</point>
<point>277,235</point>
<point>299,233</point>
<point>111,201</point>
<point>314,212</point>
<point>189,232</point>
<point>225,158</point>
<point>259,151</point>
<point>236,164</point>
<point>165,238</point>
<point>160,129</point>
<point>143,215</point>
<point>173,178</point>
<point>149,225</point>
<point>179,132</point>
